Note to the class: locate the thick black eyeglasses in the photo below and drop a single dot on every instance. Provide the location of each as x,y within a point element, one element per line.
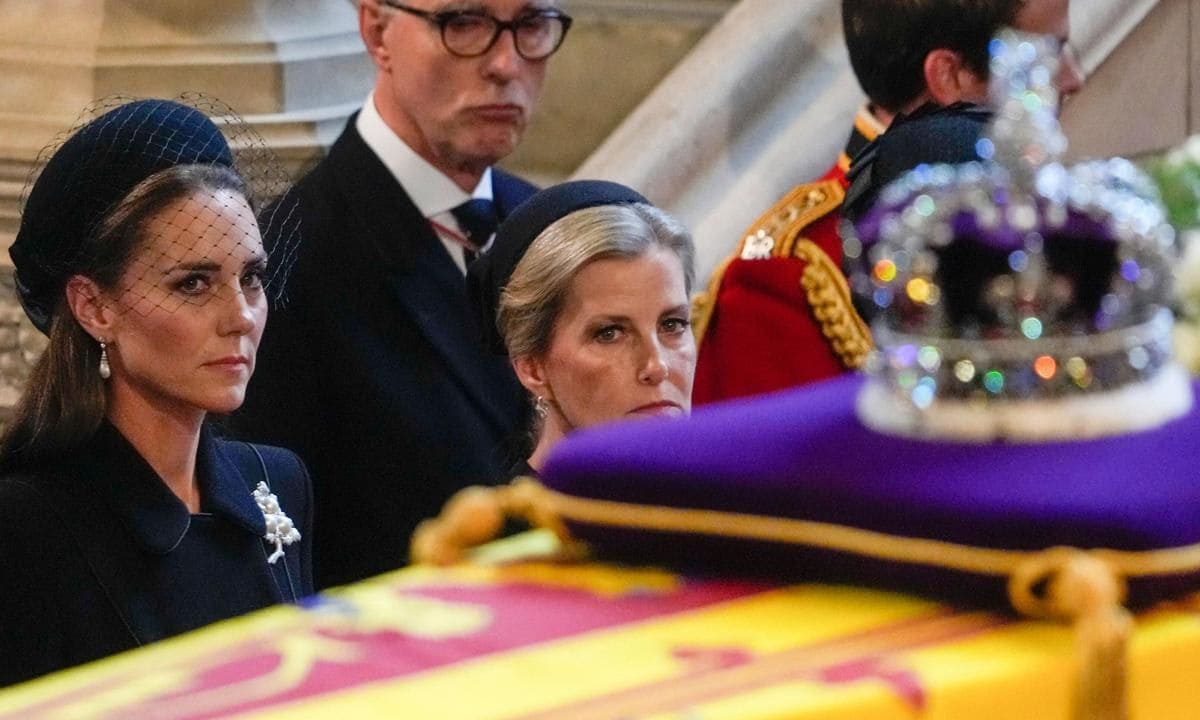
<point>471,33</point>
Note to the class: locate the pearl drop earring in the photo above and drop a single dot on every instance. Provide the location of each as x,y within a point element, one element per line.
<point>105,370</point>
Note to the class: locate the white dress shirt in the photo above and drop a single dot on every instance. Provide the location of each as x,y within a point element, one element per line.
<point>431,191</point>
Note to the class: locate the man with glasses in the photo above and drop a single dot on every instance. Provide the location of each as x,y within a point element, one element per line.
<point>372,369</point>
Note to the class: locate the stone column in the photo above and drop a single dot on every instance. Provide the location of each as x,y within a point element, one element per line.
<point>294,69</point>
<point>1140,56</point>
<point>763,102</point>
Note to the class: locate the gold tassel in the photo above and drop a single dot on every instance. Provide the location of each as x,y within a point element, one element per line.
<point>1086,591</point>
<point>476,514</point>
<point>1092,592</point>
<point>471,517</point>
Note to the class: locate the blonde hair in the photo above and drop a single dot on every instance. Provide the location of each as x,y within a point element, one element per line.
<point>535,294</point>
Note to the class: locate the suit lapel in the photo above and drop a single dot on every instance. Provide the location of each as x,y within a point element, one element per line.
<point>509,191</point>
<point>426,283</point>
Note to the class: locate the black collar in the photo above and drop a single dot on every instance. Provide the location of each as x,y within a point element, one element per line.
<point>155,517</point>
<point>856,143</point>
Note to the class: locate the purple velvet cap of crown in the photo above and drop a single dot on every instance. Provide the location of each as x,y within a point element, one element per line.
<point>804,454</point>
<point>957,228</point>
<point>968,222</point>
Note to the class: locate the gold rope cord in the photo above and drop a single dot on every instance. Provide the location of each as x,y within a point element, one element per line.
<point>704,303</point>
<point>1085,587</point>
<point>829,297</point>
<point>1082,586</point>
<point>771,236</point>
<point>531,500</point>
<point>843,162</point>
<point>937,553</point>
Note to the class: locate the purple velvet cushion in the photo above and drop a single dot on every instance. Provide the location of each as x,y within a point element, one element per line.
<point>803,454</point>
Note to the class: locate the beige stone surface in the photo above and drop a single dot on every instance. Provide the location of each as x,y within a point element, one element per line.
<point>738,122</point>
<point>763,102</point>
<point>1193,62</point>
<point>294,70</point>
<point>1137,100</point>
<point>609,63</point>
<point>715,135</point>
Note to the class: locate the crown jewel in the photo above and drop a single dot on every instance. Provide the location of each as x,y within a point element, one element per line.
<point>1016,297</point>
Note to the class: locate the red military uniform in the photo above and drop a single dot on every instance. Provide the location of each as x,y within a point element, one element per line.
<point>777,312</point>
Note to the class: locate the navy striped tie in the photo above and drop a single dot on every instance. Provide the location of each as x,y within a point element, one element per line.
<point>478,220</point>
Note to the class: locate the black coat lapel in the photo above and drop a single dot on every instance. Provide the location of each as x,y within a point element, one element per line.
<point>236,470</point>
<point>119,525</point>
<point>425,281</point>
<point>115,559</point>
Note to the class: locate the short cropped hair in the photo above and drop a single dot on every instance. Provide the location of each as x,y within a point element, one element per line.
<point>533,299</point>
<point>888,41</point>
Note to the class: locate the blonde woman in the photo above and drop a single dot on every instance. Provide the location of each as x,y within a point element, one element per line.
<point>586,290</point>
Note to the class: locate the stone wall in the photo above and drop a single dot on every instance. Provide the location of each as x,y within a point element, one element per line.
<point>20,346</point>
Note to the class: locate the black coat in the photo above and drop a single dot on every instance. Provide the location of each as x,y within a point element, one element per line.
<point>372,367</point>
<point>98,556</point>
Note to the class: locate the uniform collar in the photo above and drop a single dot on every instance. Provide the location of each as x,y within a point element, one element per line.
<point>866,128</point>
<point>430,190</point>
<point>155,517</point>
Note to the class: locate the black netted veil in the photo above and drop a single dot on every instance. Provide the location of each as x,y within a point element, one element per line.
<point>116,150</point>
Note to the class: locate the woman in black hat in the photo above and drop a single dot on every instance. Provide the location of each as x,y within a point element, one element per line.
<point>123,520</point>
<point>586,289</point>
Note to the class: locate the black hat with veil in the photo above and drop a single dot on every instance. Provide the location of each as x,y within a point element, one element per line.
<point>114,152</point>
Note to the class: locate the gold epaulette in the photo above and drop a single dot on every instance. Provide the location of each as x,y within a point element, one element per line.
<point>777,233</point>
<point>774,233</point>
<point>828,295</point>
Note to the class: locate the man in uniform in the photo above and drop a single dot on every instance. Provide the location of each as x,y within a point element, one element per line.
<point>373,369</point>
<point>777,312</point>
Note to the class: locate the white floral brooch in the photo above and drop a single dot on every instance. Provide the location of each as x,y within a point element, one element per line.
<point>280,530</point>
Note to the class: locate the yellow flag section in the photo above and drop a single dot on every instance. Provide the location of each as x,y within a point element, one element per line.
<point>541,641</point>
<point>664,665</point>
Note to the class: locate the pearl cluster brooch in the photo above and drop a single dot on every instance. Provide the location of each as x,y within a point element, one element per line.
<point>280,530</point>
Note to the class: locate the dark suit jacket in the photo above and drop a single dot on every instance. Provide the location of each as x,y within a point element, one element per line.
<point>931,135</point>
<point>372,368</point>
<point>98,556</point>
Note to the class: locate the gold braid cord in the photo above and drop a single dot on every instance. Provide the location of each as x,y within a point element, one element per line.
<point>704,303</point>
<point>772,235</point>
<point>829,297</point>
<point>778,233</point>
<point>1083,587</point>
